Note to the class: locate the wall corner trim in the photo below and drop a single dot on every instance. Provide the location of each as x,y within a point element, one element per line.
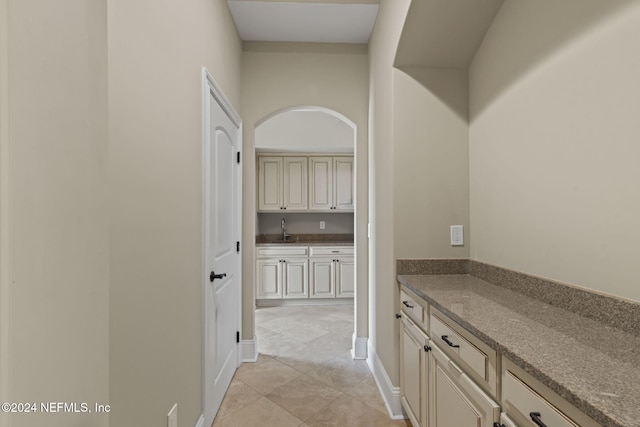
<point>390,394</point>
<point>359,347</point>
<point>200,422</point>
<point>249,350</point>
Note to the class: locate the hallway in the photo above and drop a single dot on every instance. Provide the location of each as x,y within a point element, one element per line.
<point>305,375</point>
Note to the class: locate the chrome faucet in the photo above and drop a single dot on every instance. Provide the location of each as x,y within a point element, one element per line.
<point>284,229</point>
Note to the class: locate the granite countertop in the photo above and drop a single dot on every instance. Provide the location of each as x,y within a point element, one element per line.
<point>594,366</point>
<point>305,240</point>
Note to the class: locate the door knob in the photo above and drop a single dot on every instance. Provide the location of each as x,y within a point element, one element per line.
<point>213,276</point>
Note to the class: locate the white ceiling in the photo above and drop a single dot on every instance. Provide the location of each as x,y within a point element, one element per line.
<point>304,21</point>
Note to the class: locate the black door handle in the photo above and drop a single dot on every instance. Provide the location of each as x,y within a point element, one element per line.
<point>213,276</point>
<point>445,338</point>
<point>535,417</point>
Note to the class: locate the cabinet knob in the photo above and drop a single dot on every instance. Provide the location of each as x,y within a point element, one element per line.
<point>398,315</point>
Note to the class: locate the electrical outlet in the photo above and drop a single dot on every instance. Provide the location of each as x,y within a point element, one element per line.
<point>457,235</point>
<point>172,416</point>
<point>322,225</point>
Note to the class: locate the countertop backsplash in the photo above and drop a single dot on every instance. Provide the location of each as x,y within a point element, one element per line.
<point>613,311</point>
<point>305,223</point>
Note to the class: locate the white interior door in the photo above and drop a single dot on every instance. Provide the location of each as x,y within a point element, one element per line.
<point>222,287</point>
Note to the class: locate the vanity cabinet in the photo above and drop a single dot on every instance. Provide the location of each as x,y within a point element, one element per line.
<point>332,272</point>
<point>302,272</point>
<point>331,182</point>
<point>282,273</point>
<point>282,183</point>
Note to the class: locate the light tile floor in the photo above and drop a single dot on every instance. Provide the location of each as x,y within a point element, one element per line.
<point>305,376</point>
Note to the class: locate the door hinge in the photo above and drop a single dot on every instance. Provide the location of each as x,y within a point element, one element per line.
<point>238,336</point>
<point>238,157</point>
<point>238,246</point>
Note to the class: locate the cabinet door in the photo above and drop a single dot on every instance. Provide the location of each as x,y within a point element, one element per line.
<point>343,174</point>
<point>345,278</point>
<point>414,372</point>
<point>268,278</point>
<point>295,183</point>
<point>320,183</point>
<point>321,279</point>
<point>295,276</point>
<point>270,177</point>
<point>455,400</point>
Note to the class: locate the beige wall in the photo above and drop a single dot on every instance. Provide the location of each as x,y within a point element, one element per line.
<point>156,54</point>
<point>382,284</point>
<point>431,158</point>
<point>308,131</point>
<point>55,184</point>
<point>279,75</point>
<point>554,100</point>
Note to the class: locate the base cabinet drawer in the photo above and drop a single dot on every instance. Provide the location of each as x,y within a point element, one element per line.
<point>505,421</point>
<point>525,404</point>
<point>412,308</point>
<point>456,400</point>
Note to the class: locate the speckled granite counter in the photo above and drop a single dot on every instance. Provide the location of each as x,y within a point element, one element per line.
<point>305,240</point>
<point>593,366</point>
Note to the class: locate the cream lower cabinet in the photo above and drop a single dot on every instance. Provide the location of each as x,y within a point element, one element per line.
<point>414,372</point>
<point>269,278</point>
<point>282,278</point>
<point>331,278</point>
<point>282,272</point>
<point>456,401</point>
<point>302,272</point>
<point>322,283</point>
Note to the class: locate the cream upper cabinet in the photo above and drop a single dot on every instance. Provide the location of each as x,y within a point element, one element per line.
<point>282,183</point>
<point>270,179</point>
<point>295,183</point>
<point>313,183</point>
<point>320,183</point>
<point>343,180</point>
<point>331,183</point>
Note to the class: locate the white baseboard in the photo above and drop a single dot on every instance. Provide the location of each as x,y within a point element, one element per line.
<point>359,347</point>
<point>390,394</point>
<point>200,422</point>
<point>249,350</point>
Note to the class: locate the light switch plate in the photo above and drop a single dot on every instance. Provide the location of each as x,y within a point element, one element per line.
<point>322,225</point>
<point>457,235</point>
<point>172,416</point>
